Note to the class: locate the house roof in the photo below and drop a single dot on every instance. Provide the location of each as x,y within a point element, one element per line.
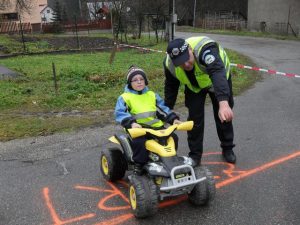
<point>104,10</point>
<point>45,8</point>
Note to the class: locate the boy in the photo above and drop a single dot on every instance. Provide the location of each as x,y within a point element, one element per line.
<point>139,106</point>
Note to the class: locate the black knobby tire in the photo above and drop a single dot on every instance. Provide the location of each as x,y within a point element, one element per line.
<point>113,164</point>
<point>203,192</point>
<point>143,196</point>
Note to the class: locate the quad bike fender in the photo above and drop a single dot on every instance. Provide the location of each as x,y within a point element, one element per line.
<point>123,140</point>
<point>113,139</point>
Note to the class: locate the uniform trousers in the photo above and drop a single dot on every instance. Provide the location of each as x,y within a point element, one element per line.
<point>195,102</point>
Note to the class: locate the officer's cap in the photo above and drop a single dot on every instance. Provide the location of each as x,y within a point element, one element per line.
<point>178,50</point>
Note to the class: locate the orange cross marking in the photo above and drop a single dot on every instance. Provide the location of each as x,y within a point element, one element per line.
<point>55,218</point>
<point>115,192</point>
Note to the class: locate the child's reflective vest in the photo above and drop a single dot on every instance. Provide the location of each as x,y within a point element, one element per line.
<point>143,108</point>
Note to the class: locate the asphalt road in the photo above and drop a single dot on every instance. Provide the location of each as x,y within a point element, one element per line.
<point>56,179</point>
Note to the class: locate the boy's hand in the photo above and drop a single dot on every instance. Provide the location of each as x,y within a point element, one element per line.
<point>136,125</point>
<point>176,121</point>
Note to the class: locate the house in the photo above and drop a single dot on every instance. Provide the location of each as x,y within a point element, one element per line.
<point>98,10</point>
<point>276,16</point>
<point>33,17</point>
<point>46,14</point>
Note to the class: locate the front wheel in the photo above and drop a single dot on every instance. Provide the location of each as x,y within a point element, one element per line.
<point>203,192</point>
<point>113,164</point>
<point>143,195</point>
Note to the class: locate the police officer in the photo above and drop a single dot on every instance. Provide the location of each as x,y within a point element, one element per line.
<point>203,67</point>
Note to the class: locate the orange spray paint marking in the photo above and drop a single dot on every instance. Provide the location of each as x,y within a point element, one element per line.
<point>116,220</point>
<point>56,219</point>
<point>114,191</point>
<point>230,171</point>
<point>258,169</point>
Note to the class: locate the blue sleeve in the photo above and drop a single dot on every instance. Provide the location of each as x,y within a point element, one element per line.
<point>163,112</point>
<point>160,104</point>
<point>121,111</point>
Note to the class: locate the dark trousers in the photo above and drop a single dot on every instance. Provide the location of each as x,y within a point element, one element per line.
<point>140,153</point>
<point>195,103</point>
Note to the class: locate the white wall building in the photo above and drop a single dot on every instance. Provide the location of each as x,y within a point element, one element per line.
<point>274,15</point>
<point>46,15</point>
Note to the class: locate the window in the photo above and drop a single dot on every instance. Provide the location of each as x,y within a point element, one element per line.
<point>48,10</point>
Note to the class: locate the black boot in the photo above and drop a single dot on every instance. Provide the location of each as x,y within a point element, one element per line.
<point>229,156</point>
<point>138,169</point>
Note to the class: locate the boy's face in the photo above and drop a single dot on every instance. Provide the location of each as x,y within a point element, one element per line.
<point>138,82</point>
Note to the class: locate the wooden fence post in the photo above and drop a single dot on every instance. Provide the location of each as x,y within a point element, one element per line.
<point>54,78</point>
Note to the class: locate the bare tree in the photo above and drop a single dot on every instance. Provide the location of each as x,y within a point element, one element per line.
<point>131,14</point>
<point>158,9</point>
<point>119,17</point>
<point>94,6</point>
<point>4,4</point>
<point>21,5</point>
<point>138,11</point>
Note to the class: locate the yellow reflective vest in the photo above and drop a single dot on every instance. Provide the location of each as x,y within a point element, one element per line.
<point>203,80</point>
<point>143,108</point>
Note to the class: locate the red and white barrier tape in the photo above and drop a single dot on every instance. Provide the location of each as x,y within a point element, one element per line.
<point>146,49</point>
<point>265,70</point>
<point>231,64</point>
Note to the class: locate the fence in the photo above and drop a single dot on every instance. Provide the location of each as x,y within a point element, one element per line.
<point>276,28</point>
<point>221,24</point>
<point>223,20</point>
<point>81,26</point>
<point>14,27</point>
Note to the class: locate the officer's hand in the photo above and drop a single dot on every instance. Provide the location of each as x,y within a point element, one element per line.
<point>136,125</point>
<point>225,112</point>
<point>176,121</point>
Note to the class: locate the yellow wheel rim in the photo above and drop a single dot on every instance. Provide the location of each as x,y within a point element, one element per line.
<point>132,197</point>
<point>104,165</point>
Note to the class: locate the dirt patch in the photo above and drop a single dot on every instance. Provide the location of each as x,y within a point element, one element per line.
<point>84,42</point>
<point>4,49</point>
<point>71,42</point>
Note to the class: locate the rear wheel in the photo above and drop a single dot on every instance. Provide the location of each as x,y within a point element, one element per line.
<point>112,164</point>
<point>203,192</point>
<point>143,195</point>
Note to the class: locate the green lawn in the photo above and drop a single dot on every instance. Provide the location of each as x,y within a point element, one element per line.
<point>238,33</point>
<point>86,82</point>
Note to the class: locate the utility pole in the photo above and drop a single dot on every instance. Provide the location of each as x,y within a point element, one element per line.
<point>22,33</point>
<point>288,21</point>
<point>173,22</point>
<point>80,8</point>
<point>194,19</point>
<point>111,20</point>
<point>169,22</point>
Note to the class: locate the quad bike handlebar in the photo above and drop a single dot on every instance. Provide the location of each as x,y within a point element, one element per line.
<point>138,132</point>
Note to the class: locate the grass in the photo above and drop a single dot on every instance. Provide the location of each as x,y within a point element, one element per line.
<point>87,83</point>
<point>237,33</point>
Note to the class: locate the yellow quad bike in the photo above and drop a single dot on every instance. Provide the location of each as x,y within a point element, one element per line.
<point>165,175</point>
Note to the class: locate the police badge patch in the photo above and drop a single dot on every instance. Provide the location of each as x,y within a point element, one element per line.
<point>209,59</point>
